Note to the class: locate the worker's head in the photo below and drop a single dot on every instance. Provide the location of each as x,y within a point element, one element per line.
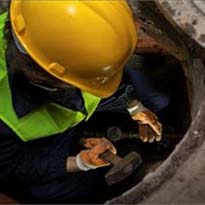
<point>82,43</point>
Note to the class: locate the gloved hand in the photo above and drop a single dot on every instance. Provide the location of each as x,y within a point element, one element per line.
<point>90,158</point>
<point>150,129</point>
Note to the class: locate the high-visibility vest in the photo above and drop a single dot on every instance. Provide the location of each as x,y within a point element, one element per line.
<point>45,121</point>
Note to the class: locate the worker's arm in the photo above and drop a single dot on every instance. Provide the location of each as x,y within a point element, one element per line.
<point>28,163</point>
<point>31,162</point>
<point>149,99</point>
<point>144,86</point>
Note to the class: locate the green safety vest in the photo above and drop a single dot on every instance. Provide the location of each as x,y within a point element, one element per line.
<point>45,121</point>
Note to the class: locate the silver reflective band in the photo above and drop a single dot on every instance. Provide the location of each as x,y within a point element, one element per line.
<point>81,165</point>
<point>18,44</point>
<point>138,107</point>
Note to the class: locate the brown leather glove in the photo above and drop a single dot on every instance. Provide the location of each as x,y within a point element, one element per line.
<point>150,128</point>
<point>90,158</point>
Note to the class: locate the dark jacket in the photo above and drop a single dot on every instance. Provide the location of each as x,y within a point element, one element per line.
<point>40,160</point>
<point>45,159</point>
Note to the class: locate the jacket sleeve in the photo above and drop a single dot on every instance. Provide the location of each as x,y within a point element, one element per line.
<point>37,161</point>
<point>144,86</point>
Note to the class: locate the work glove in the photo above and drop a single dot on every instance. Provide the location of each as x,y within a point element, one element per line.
<point>150,129</point>
<point>90,158</point>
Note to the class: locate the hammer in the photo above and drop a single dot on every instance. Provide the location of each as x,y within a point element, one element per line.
<point>122,167</point>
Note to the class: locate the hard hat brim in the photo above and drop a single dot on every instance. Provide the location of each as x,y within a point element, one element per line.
<point>101,90</point>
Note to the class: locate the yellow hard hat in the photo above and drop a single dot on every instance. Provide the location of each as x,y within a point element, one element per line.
<point>82,42</point>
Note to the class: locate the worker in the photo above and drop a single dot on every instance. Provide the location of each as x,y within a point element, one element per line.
<point>60,61</point>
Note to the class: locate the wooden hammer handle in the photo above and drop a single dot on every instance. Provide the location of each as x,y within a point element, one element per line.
<point>107,155</point>
<point>110,157</point>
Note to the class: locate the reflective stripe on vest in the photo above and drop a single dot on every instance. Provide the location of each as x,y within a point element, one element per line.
<point>45,121</point>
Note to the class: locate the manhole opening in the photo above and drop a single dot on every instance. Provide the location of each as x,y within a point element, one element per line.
<point>167,76</point>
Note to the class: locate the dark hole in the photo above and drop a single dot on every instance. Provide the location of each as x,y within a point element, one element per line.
<point>194,22</point>
<point>167,76</point>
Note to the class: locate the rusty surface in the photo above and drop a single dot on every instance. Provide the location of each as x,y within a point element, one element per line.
<point>146,44</point>
<point>153,24</point>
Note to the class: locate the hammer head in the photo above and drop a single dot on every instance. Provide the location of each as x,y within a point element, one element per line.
<point>123,168</point>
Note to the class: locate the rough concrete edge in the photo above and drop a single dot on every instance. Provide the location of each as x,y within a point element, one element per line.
<point>172,11</point>
<point>191,141</point>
